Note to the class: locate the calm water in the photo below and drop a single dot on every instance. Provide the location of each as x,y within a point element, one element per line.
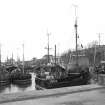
<point>14,88</point>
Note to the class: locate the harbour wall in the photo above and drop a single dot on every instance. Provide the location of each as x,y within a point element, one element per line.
<point>5,98</point>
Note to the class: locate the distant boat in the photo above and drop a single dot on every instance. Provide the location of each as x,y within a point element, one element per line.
<point>21,79</point>
<point>4,77</point>
<point>19,76</point>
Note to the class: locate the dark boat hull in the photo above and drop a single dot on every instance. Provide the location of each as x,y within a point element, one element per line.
<point>21,82</point>
<point>4,82</point>
<point>21,79</point>
<point>69,81</point>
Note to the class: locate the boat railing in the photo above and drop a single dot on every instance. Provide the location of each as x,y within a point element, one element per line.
<point>44,79</point>
<point>73,73</point>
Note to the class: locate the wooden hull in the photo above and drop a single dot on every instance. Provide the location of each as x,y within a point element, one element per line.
<point>4,82</point>
<point>22,82</point>
<point>21,79</point>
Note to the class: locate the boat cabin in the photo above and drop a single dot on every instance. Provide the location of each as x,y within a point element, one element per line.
<point>51,72</point>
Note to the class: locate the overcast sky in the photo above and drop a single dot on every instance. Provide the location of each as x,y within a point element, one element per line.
<point>27,21</point>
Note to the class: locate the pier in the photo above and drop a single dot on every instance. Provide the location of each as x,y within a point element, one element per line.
<point>78,95</point>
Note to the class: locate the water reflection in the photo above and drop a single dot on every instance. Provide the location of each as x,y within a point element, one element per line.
<point>18,88</point>
<point>21,88</point>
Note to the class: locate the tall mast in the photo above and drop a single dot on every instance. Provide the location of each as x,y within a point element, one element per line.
<point>99,39</point>
<point>94,54</point>
<point>48,48</point>
<point>7,58</point>
<point>17,56</point>
<point>55,54</point>
<point>76,42</point>
<point>0,54</point>
<point>76,34</point>
<point>12,58</point>
<point>23,58</point>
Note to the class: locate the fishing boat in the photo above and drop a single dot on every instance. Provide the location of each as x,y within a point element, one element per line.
<point>4,78</point>
<point>54,76</point>
<point>22,79</point>
<point>19,76</point>
<point>4,75</point>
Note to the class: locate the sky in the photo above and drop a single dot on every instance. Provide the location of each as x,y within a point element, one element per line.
<point>28,21</point>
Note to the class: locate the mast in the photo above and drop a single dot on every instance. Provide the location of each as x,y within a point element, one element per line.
<point>76,42</point>
<point>99,39</point>
<point>7,58</point>
<point>0,55</point>
<point>12,58</point>
<point>94,55</point>
<point>23,58</point>
<point>17,56</point>
<point>55,54</point>
<point>76,35</point>
<point>48,48</point>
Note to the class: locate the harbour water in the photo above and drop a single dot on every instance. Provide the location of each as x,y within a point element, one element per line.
<point>14,88</point>
<point>23,88</point>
